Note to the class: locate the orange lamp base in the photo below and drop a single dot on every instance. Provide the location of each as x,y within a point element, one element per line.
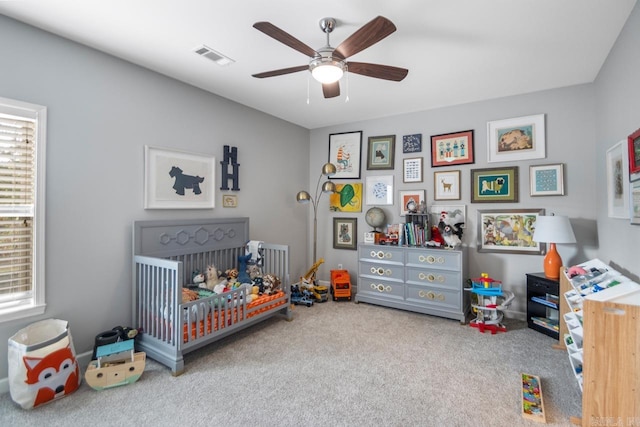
<point>552,263</point>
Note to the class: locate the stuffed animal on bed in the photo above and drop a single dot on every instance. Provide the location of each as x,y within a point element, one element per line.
<point>197,277</point>
<point>243,277</point>
<point>254,272</point>
<point>271,284</point>
<point>212,278</point>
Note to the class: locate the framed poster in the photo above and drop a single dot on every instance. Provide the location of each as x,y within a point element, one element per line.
<point>520,138</point>
<point>494,185</point>
<point>412,169</point>
<point>450,149</point>
<point>412,143</point>
<point>176,179</point>
<point>617,182</point>
<point>635,202</point>
<point>509,231</point>
<point>381,152</point>
<point>411,201</point>
<point>634,155</point>
<point>347,198</point>
<point>345,153</point>
<point>546,180</point>
<point>345,232</point>
<point>379,190</point>
<point>446,185</point>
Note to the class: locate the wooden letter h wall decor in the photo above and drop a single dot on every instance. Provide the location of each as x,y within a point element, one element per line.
<point>230,158</point>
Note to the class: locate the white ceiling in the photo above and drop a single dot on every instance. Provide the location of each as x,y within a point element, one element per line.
<point>457,51</point>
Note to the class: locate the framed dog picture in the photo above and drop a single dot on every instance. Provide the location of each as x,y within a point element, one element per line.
<point>178,180</point>
<point>494,185</point>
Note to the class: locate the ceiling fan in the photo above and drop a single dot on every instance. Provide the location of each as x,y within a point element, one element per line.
<point>327,64</point>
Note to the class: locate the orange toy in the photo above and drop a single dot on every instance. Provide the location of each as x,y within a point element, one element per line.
<point>340,284</point>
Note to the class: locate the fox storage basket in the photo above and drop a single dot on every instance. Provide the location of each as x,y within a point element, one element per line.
<point>42,363</point>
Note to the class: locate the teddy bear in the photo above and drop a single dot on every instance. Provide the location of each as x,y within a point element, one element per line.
<point>252,293</point>
<point>212,278</point>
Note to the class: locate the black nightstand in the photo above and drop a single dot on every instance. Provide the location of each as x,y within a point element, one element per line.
<point>543,304</point>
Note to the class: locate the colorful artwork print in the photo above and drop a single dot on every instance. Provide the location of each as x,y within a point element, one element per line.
<point>515,138</point>
<point>508,231</point>
<point>451,148</point>
<point>347,198</point>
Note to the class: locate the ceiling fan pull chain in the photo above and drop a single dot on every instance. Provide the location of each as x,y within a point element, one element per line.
<point>308,89</point>
<point>346,69</point>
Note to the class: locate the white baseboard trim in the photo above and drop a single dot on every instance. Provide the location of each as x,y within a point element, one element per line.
<point>83,360</point>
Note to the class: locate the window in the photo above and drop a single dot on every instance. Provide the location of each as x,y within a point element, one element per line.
<point>22,155</point>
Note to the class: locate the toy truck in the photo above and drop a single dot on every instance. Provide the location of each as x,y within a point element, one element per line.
<point>340,284</point>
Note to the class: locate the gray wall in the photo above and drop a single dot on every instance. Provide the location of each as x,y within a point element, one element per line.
<point>101,113</point>
<point>618,112</point>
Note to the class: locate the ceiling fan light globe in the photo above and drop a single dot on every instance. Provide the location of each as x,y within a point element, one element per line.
<point>326,70</point>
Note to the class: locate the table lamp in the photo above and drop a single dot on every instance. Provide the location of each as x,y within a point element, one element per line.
<point>553,229</point>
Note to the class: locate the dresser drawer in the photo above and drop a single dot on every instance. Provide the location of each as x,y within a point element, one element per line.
<point>434,258</point>
<point>381,288</point>
<point>443,298</point>
<point>385,271</point>
<point>427,276</point>
<point>379,253</point>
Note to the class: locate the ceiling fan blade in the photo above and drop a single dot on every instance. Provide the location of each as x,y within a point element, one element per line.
<point>281,71</point>
<point>386,72</point>
<point>331,90</point>
<point>284,37</point>
<point>368,35</point>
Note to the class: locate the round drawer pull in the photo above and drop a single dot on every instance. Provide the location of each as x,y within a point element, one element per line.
<point>430,295</point>
<point>441,260</point>
<point>380,255</point>
<point>373,270</point>
<point>373,254</point>
<point>429,277</point>
<point>380,287</point>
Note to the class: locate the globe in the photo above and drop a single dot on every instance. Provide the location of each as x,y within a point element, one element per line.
<point>375,218</point>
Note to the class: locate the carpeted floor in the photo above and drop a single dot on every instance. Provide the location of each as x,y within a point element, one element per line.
<point>338,364</point>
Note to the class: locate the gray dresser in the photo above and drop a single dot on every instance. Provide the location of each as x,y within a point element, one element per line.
<point>428,281</point>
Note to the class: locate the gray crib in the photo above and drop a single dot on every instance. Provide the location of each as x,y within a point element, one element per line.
<point>166,253</point>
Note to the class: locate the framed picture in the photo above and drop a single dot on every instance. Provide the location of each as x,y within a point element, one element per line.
<point>617,182</point>
<point>509,231</point>
<point>381,152</point>
<point>379,190</point>
<point>457,214</point>
<point>412,143</point>
<point>635,202</point>
<point>521,138</point>
<point>411,201</point>
<point>546,180</point>
<point>494,185</point>
<point>345,232</point>
<point>634,155</point>
<point>347,198</point>
<point>412,169</point>
<point>345,152</point>
<point>446,185</point>
<point>229,201</point>
<point>452,149</point>
<point>178,180</point>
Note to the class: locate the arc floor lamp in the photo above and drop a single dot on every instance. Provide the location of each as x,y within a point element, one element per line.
<point>328,169</point>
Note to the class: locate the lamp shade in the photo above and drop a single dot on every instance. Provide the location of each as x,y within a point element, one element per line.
<point>303,197</point>
<point>553,229</point>
<point>328,187</point>
<point>328,169</point>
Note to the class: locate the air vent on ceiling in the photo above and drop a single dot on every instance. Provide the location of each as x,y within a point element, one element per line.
<point>211,54</point>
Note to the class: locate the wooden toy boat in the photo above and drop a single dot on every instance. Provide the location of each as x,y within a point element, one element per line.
<point>117,364</point>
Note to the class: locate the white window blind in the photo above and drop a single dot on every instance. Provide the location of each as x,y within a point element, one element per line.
<point>21,270</point>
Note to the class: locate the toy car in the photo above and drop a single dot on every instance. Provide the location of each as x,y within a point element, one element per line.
<point>300,298</point>
<point>340,284</point>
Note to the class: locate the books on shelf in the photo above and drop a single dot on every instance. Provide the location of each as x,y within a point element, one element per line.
<point>545,322</point>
